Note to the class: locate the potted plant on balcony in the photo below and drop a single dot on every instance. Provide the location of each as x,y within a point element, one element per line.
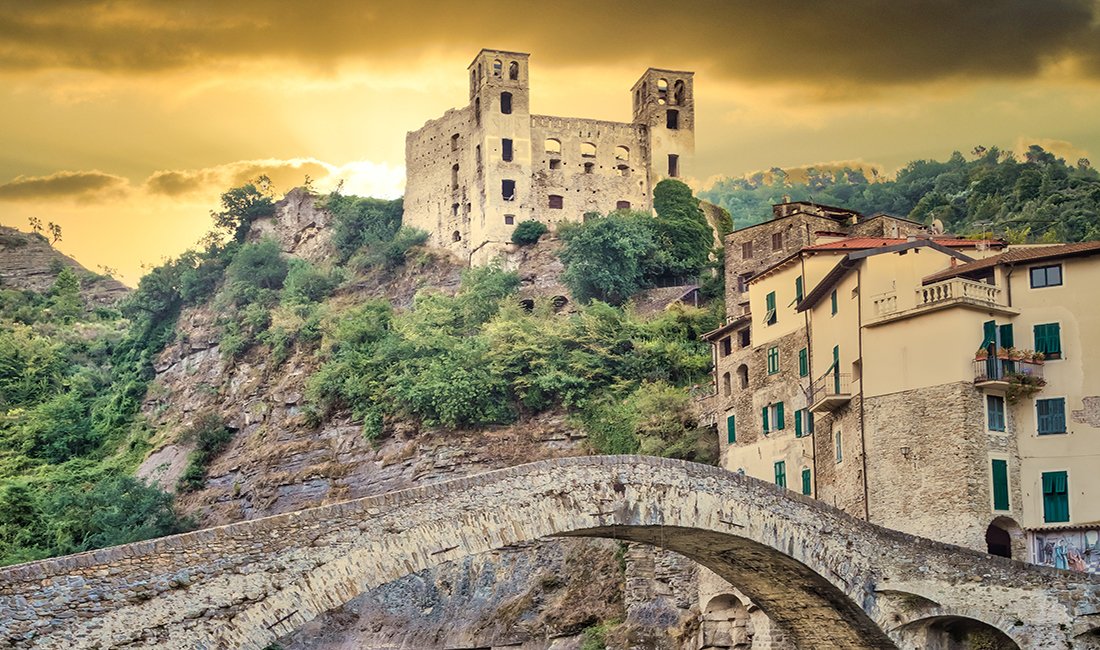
<point>1022,385</point>
<point>981,355</point>
<point>1005,353</point>
<point>1038,357</point>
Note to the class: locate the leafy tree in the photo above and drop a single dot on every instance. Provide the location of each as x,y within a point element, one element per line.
<point>360,222</point>
<point>685,236</point>
<point>306,284</point>
<point>65,301</point>
<point>243,205</point>
<point>609,258</point>
<point>256,268</point>
<point>528,232</point>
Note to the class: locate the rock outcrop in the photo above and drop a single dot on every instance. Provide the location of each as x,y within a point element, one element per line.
<point>29,262</point>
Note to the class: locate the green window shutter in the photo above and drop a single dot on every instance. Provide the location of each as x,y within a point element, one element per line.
<point>803,362</point>
<point>1055,338</point>
<point>1048,339</point>
<point>773,360</point>
<point>1000,484</point>
<point>989,333</point>
<point>1051,415</point>
<point>1055,497</point>
<point>798,424</point>
<point>833,298</point>
<point>1007,340</point>
<point>1057,414</point>
<point>798,289</point>
<point>731,430</point>
<point>765,420</point>
<point>995,404</point>
<point>809,422</point>
<point>781,473</point>
<point>807,489</point>
<point>1042,415</point>
<point>779,416</point>
<point>770,301</point>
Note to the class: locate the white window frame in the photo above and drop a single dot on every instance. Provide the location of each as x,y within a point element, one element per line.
<point>838,445</point>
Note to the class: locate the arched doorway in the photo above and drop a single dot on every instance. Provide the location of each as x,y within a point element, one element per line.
<point>725,625</point>
<point>955,633</point>
<point>1002,536</point>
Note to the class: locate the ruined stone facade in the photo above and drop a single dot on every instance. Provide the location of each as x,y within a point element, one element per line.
<point>827,579</point>
<point>478,171</point>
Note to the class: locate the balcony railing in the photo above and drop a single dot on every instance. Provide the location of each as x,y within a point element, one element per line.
<point>995,369</point>
<point>959,290</point>
<point>829,392</point>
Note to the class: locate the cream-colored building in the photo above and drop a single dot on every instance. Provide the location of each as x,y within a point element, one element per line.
<point>475,173</point>
<point>850,374</point>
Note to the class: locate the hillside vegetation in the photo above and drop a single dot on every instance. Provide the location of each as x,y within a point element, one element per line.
<point>1038,198</point>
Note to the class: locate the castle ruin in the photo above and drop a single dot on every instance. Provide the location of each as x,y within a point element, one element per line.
<point>478,171</point>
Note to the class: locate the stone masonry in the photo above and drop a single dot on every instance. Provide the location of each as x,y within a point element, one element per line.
<point>826,578</point>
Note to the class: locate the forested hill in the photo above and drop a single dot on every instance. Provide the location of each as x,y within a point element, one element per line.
<point>1038,198</point>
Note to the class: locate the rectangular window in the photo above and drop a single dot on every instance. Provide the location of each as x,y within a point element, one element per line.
<point>672,119</point>
<point>506,150</point>
<point>798,423</point>
<point>1055,497</point>
<point>556,202</point>
<point>744,339</point>
<point>1048,340</point>
<point>1051,415</point>
<point>506,103</point>
<point>622,205</point>
<point>555,163</point>
<point>995,407</point>
<point>743,280</point>
<point>746,250</point>
<point>769,304</point>
<point>832,297</point>
<point>673,165</point>
<point>773,360</point>
<point>781,473</point>
<point>772,416</point>
<point>509,219</point>
<point>725,347</point>
<point>839,449</point>
<point>454,142</point>
<point>508,190</point>
<point>731,430</point>
<point>807,486</point>
<point>777,241</point>
<point>798,289</point>
<point>803,362</point>
<point>1000,484</point>
<point>1046,276</point>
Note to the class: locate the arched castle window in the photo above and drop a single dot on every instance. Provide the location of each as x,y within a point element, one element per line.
<point>497,67</point>
<point>513,71</point>
<point>454,142</point>
<point>727,387</point>
<point>743,376</point>
<point>477,111</point>
<point>678,92</point>
<point>456,236</point>
<point>506,103</point>
<point>553,146</point>
<point>454,177</point>
<point>622,153</point>
<point>588,150</point>
<point>672,118</point>
<point>662,91</point>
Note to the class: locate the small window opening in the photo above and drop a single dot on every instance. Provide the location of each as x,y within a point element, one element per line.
<point>508,190</point>
<point>777,241</point>
<point>477,111</point>
<point>727,385</point>
<point>588,150</point>
<point>454,142</point>
<point>744,339</point>
<point>559,302</point>
<point>454,209</point>
<point>509,219</point>
<point>456,236</point>
<point>556,202</point>
<point>498,67</point>
<point>622,153</point>
<point>622,205</point>
<point>513,71</point>
<point>725,347</point>
<point>589,167</point>
<point>678,92</point>
<point>743,376</point>
<point>672,119</point>
<point>746,252</point>
<point>506,103</point>
<point>552,145</point>
<point>555,163</point>
<point>454,178</point>
<point>506,150</point>
<point>673,165</point>
<point>662,91</point>
<point>624,170</point>
<point>527,304</point>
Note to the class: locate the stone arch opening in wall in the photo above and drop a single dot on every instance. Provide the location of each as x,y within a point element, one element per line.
<point>955,633</point>
<point>662,91</point>
<point>498,67</point>
<point>726,624</point>
<point>559,302</point>
<point>623,170</point>
<point>552,145</point>
<point>743,376</point>
<point>513,71</point>
<point>588,150</point>
<point>727,385</point>
<point>456,236</point>
<point>506,103</point>
<point>454,177</point>
<point>589,167</point>
<point>622,153</point>
<point>1002,535</point>
<point>678,92</point>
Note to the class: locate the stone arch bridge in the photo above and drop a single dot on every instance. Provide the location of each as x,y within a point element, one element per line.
<point>829,580</point>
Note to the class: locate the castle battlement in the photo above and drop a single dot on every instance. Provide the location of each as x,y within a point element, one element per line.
<point>478,171</point>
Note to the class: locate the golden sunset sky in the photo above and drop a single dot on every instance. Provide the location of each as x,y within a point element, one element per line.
<point>124,121</point>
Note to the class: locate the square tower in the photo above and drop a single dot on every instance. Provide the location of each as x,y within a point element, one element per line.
<point>664,101</point>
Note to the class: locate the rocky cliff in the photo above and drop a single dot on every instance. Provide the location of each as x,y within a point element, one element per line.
<point>29,262</point>
<point>539,596</point>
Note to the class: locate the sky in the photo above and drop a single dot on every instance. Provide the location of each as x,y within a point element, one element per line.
<point>123,122</point>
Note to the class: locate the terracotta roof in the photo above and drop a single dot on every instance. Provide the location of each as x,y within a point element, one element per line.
<point>1022,255</point>
<point>861,243</point>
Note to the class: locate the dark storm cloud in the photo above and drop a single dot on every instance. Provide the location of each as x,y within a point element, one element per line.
<point>853,41</point>
<point>89,185</point>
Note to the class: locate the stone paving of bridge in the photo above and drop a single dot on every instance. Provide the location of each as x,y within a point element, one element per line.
<point>830,580</point>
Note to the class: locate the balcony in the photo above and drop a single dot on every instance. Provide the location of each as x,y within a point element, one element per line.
<point>954,292</point>
<point>829,392</point>
<point>1015,376</point>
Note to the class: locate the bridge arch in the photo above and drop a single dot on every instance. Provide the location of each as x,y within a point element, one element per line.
<point>812,569</point>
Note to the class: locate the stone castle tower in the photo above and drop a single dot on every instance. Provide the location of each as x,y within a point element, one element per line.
<point>477,171</point>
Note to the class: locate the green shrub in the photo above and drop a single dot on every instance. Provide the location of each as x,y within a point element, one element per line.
<point>528,232</point>
<point>256,270</point>
<point>306,284</point>
<point>392,253</point>
<point>211,437</point>
<point>609,258</point>
<point>359,222</point>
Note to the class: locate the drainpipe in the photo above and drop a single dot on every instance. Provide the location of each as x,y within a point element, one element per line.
<point>810,374</point>
<point>862,411</point>
<point>1008,283</point>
